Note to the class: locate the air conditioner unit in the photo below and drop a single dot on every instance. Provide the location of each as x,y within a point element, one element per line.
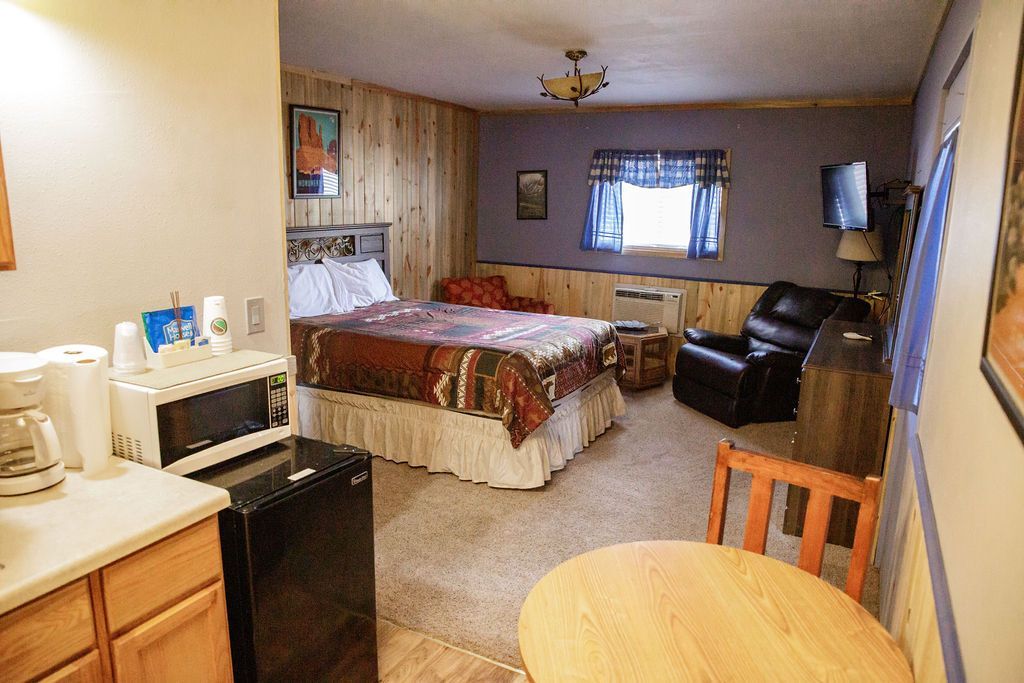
<point>652,305</point>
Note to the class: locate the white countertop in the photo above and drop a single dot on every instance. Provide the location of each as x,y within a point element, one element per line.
<point>52,537</point>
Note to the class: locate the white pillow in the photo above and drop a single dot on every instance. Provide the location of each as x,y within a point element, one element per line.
<point>364,281</point>
<point>311,292</point>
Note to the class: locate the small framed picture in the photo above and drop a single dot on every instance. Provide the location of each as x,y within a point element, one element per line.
<point>531,195</point>
<point>315,145</point>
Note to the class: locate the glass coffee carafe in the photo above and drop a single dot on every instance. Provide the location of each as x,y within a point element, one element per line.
<point>30,455</point>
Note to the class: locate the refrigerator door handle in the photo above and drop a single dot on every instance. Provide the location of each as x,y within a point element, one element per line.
<point>311,480</point>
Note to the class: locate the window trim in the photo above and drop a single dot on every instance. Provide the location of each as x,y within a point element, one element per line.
<point>654,251</point>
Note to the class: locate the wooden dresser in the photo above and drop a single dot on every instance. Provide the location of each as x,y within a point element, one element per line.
<point>842,420</point>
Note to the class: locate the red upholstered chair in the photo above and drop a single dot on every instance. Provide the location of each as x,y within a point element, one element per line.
<point>489,292</point>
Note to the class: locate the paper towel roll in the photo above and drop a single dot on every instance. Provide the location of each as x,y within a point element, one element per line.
<point>78,401</point>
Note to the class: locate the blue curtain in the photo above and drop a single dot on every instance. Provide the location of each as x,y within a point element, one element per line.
<point>604,219</point>
<point>921,284</point>
<point>704,223</point>
<point>706,169</point>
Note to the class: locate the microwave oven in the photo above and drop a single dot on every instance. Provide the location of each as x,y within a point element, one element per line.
<point>188,426</point>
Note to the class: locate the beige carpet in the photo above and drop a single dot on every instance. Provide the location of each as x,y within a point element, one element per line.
<point>455,560</point>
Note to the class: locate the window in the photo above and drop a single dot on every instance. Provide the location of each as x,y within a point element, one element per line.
<point>677,202</point>
<point>656,221</point>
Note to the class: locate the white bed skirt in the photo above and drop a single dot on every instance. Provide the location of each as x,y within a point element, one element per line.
<point>472,447</point>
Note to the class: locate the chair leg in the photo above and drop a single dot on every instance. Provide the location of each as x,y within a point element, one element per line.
<point>719,494</point>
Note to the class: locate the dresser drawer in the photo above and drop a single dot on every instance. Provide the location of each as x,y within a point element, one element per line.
<point>156,577</point>
<point>46,633</point>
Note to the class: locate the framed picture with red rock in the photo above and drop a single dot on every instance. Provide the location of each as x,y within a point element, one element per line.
<point>315,152</point>
<point>6,239</point>
<point>1002,360</point>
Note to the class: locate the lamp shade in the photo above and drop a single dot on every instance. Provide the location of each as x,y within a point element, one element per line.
<point>860,246</point>
<point>567,87</point>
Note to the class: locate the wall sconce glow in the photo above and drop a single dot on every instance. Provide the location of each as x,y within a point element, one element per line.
<point>574,86</point>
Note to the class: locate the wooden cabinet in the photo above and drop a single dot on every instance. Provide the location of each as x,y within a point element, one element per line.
<point>646,356</point>
<point>43,635</point>
<point>87,669</point>
<point>188,642</point>
<point>842,420</point>
<point>156,615</point>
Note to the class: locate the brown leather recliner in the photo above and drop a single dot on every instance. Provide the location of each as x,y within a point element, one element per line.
<point>752,376</point>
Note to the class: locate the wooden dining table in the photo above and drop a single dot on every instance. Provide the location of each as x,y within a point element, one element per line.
<point>684,611</point>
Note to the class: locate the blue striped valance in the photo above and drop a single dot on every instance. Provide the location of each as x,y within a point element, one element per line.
<point>660,167</point>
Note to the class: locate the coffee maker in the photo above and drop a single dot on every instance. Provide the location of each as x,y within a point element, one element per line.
<point>30,456</point>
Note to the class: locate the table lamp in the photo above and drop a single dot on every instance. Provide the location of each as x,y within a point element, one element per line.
<point>861,247</point>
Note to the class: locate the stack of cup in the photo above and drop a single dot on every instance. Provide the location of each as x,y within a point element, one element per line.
<point>129,356</point>
<point>215,324</point>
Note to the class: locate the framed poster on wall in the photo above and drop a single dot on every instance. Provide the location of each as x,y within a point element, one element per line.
<point>531,195</point>
<point>1002,360</point>
<point>6,238</point>
<point>315,152</point>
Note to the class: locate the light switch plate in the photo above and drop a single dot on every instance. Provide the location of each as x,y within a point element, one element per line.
<point>255,318</point>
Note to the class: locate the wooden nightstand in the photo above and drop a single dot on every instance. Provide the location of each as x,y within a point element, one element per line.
<point>646,358</point>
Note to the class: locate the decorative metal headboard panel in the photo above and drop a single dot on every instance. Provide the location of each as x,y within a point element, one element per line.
<point>356,242</point>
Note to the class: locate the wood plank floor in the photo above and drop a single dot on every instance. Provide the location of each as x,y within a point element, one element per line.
<point>406,656</point>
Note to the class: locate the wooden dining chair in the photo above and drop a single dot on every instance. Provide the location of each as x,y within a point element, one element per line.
<point>823,484</point>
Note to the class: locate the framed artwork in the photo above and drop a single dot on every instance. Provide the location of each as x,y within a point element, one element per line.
<point>531,195</point>
<point>315,147</point>
<point>1002,360</point>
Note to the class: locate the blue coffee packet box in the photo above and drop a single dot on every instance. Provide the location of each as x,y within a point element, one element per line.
<point>161,327</point>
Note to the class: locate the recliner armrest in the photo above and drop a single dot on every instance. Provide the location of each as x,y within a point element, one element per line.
<point>776,359</point>
<point>727,343</point>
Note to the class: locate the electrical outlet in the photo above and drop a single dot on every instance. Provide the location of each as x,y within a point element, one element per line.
<point>255,320</point>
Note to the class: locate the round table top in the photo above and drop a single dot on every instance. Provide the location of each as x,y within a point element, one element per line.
<point>680,611</point>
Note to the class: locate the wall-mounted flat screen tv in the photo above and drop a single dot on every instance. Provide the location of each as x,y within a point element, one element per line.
<point>844,196</point>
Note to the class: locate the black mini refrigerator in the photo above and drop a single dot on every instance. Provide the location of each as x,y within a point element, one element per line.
<point>297,543</point>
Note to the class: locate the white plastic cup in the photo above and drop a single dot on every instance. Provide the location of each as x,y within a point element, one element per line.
<point>129,356</point>
<point>215,324</point>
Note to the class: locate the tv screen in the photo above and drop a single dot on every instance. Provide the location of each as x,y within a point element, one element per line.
<point>844,196</point>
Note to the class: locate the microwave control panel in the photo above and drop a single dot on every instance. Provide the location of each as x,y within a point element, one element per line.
<point>278,385</point>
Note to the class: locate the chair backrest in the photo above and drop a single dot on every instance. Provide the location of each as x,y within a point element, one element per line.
<point>824,485</point>
<point>788,316</point>
<point>488,292</point>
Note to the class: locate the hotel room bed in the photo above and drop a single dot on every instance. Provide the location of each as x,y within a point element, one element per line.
<point>492,396</point>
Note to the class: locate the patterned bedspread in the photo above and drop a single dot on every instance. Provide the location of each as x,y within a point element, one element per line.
<point>502,363</point>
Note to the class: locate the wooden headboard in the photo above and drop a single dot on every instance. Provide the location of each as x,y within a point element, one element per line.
<point>340,243</point>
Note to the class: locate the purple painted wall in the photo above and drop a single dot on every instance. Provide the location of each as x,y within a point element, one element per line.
<point>773,228</point>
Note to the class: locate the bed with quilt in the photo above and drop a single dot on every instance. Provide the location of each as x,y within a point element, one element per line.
<point>494,396</point>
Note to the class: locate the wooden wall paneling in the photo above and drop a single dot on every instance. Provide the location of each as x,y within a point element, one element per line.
<point>713,305</point>
<point>348,172</point>
<point>293,91</point>
<point>908,610</point>
<point>404,160</point>
<point>431,205</point>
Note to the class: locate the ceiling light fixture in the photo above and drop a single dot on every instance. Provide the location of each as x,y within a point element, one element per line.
<point>574,86</point>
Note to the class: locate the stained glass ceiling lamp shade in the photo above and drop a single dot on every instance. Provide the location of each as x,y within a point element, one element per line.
<point>574,86</point>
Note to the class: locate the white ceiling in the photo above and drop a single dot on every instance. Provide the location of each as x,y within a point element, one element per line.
<point>486,54</point>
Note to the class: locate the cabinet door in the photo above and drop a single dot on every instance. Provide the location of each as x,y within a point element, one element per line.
<point>85,669</point>
<point>47,632</point>
<point>187,642</point>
